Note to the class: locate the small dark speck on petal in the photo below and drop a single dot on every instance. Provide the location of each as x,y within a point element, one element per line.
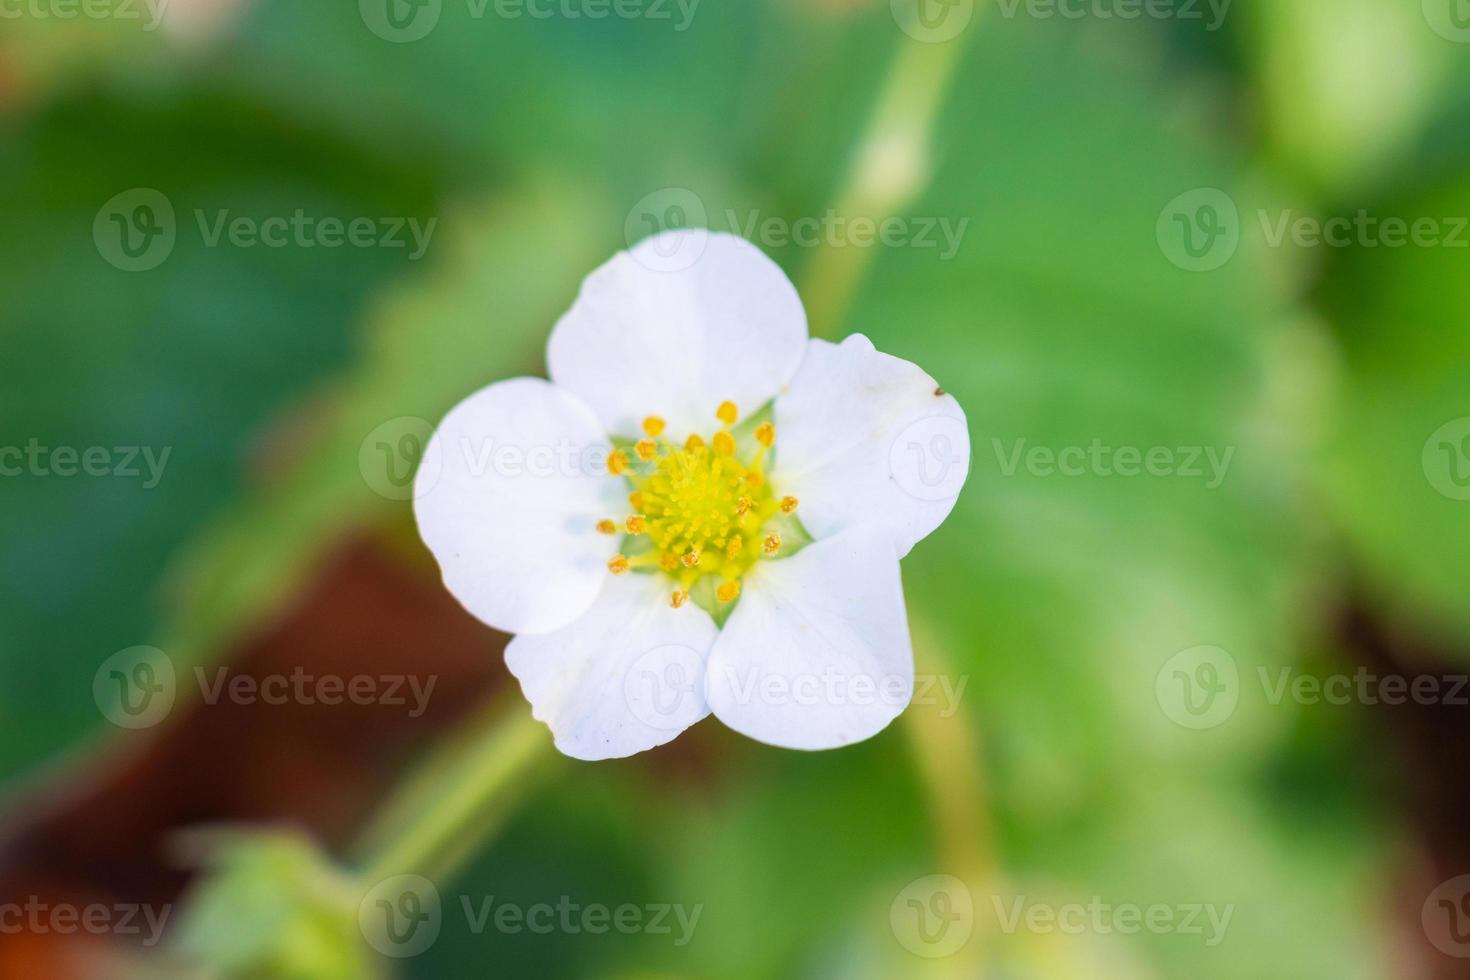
<point>938,392</point>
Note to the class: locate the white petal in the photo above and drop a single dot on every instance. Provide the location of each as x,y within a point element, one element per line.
<point>625,677</point>
<point>508,497</point>
<point>639,341</point>
<point>817,653</point>
<point>862,436</point>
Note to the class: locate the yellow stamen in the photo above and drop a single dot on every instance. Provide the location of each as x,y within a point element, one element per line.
<point>646,449</point>
<point>771,544</point>
<point>690,559</point>
<point>743,505</point>
<point>728,591</point>
<point>606,526</point>
<point>788,504</point>
<point>754,478</point>
<point>727,413</point>
<point>653,425</point>
<point>618,565</point>
<point>635,500</point>
<point>635,524</point>
<point>693,443</point>
<point>765,434</point>
<point>669,562</point>
<point>617,462</point>
<point>732,550</point>
<point>724,444</point>
<point>679,598</point>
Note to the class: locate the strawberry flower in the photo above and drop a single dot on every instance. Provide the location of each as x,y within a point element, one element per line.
<point>702,511</point>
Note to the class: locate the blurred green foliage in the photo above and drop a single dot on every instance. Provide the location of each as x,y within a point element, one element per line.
<point>1059,321</point>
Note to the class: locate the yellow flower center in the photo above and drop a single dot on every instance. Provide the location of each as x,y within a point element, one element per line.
<point>702,511</point>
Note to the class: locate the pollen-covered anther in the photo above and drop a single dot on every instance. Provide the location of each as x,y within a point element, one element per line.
<point>646,449</point>
<point>690,559</point>
<point>618,564</point>
<point>733,549</point>
<point>727,413</point>
<point>606,526</point>
<point>765,434</point>
<point>669,562</point>
<point>788,505</point>
<point>724,444</point>
<point>678,598</point>
<point>635,500</point>
<point>617,462</point>
<point>728,591</point>
<point>743,505</point>
<point>636,524</point>
<point>771,544</point>
<point>754,479</point>
<point>693,442</point>
<point>654,426</point>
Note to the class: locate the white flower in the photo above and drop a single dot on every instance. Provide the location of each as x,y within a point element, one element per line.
<point>614,517</point>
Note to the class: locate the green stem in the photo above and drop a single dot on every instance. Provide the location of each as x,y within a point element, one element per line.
<point>465,790</point>
<point>891,167</point>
